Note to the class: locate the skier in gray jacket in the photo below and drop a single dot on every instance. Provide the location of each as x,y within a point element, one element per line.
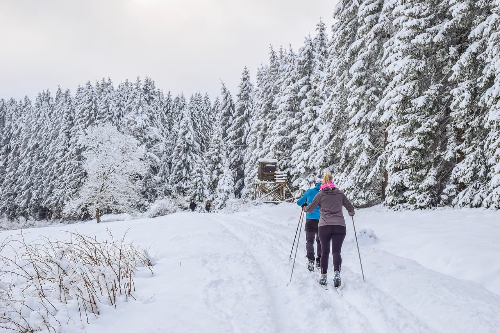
<point>332,226</point>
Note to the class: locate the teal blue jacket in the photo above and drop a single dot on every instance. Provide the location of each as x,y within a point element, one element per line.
<point>308,197</point>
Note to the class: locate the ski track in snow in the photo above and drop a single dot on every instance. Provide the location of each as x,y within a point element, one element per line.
<point>230,273</point>
<point>373,312</point>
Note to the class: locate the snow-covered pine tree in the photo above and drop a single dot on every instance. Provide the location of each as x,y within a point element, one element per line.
<point>5,124</point>
<point>104,95</point>
<point>197,110</point>
<point>118,103</point>
<point>491,100</point>
<point>173,122</point>
<point>66,168</point>
<point>361,170</point>
<point>414,107</point>
<point>11,158</point>
<point>226,110</point>
<point>52,156</point>
<point>28,177</point>
<point>317,95</point>
<point>314,101</point>
<point>264,102</point>
<point>214,114</point>
<point>213,158</point>
<point>209,116</point>
<point>326,143</point>
<point>256,135</point>
<point>466,136</point>
<point>142,121</point>
<point>184,155</point>
<point>4,138</point>
<point>284,130</point>
<point>196,181</point>
<point>85,108</point>
<point>303,173</point>
<point>238,131</point>
<point>115,164</point>
<point>225,186</point>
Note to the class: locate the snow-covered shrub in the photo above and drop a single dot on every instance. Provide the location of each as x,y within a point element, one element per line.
<point>238,205</point>
<point>47,285</point>
<point>365,237</point>
<point>119,217</point>
<point>162,207</point>
<point>22,223</point>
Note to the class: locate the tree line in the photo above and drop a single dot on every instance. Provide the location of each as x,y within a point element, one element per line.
<point>400,101</point>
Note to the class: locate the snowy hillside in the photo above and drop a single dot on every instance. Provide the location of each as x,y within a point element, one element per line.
<point>433,271</point>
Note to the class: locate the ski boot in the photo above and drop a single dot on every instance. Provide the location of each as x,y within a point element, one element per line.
<point>322,280</point>
<point>336,279</point>
<point>310,265</point>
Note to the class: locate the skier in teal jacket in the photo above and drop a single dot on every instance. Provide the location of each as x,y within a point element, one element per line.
<point>312,220</point>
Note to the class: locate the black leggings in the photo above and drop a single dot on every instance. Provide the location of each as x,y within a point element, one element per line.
<point>334,234</point>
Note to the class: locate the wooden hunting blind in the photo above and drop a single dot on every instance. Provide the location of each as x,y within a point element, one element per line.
<point>271,185</point>
<point>267,169</point>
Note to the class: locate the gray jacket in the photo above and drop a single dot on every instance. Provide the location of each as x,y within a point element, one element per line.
<point>330,201</point>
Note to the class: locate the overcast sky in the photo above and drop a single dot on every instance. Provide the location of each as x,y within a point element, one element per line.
<point>183,45</point>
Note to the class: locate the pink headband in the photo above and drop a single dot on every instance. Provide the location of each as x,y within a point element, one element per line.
<point>330,184</point>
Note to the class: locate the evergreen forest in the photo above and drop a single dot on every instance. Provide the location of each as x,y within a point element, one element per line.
<point>399,100</point>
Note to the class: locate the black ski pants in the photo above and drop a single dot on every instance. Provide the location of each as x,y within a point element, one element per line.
<point>334,234</point>
<point>311,236</point>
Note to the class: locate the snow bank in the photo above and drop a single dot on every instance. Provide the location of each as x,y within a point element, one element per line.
<point>458,242</point>
<point>22,223</point>
<point>162,207</point>
<point>118,217</point>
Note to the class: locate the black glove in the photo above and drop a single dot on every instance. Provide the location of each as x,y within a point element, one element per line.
<point>304,205</point>
<point>351,213</point>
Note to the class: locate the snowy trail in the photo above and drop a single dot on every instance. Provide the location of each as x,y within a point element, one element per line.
<point>368,311</point>
<point>230,273</point>
<point>400,295</point>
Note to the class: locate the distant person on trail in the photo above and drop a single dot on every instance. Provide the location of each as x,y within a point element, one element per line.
<point>208,206</point>
<point>192,206</point>
<point>312,220</point>
<point>331,225</point>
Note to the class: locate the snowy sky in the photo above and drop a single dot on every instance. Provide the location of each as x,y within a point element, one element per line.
<point>184,45</point>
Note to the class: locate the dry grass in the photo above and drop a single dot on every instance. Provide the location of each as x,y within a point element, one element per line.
<point>45,278</point>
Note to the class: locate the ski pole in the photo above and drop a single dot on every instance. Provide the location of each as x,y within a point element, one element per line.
<point>296,248</point>
<point>359,255</point>
<point>300,218</point>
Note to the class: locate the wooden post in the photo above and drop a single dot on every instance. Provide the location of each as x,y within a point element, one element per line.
<point>98,215</point>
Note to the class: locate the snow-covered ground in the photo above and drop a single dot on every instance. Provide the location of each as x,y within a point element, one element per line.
<point>426,271</point>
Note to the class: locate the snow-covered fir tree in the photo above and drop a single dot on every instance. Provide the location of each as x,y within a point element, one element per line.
<point>491,100</point>
<point>238,131</point>
<point>283,133</point>
<point>184,155</point>
<point>413,108</point>
<point>226,109</point>
<point>468,180</point>
<point>360,170</point>
<point>326,143</point>
<point>225,185</point>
